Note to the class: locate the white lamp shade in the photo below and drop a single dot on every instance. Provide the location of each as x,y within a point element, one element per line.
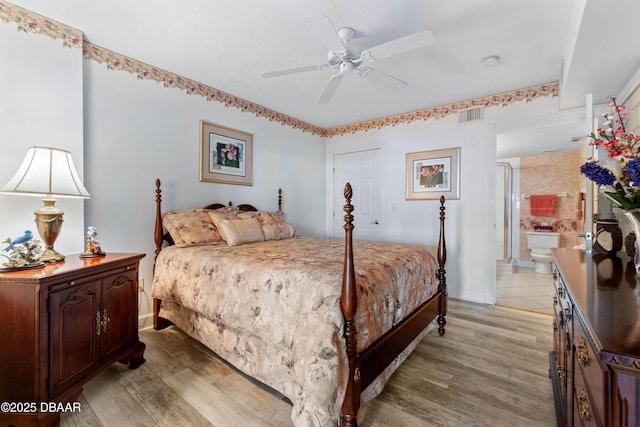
<point>46,171</point>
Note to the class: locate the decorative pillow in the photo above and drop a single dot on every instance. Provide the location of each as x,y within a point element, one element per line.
<point>191,228</point>
<point>238,231</point>
<point>272,223</point>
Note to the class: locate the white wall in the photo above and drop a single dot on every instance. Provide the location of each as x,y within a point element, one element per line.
<point>40,104</point>
<point>470,235</point>
<point>470,223</point>
<point>138,130</point>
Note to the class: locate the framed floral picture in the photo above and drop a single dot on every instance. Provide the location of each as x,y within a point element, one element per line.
<point>225,155</point>
<point>431,174</point>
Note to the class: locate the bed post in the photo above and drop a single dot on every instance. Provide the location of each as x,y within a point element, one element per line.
<point>279,199</point>
<point>158,237</point>
<point>442,259</point>
<point>349,304</point>
<point>157,233</point>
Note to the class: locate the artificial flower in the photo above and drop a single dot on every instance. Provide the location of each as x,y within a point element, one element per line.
<point>619,175</point>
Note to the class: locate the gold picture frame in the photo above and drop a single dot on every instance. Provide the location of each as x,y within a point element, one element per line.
<point>431,174</point>
<point>226,155</point>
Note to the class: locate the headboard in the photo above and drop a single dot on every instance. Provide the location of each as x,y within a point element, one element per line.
<point>161,237</point>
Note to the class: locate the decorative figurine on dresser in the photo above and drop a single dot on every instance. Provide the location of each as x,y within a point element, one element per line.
<point>60,325</point>
<point>93,246</point>
<point>595,362</point>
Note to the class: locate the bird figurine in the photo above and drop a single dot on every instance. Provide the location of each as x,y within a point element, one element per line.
<point>28,235</point>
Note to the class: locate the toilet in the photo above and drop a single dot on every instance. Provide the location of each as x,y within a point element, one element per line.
<point>540,244</point>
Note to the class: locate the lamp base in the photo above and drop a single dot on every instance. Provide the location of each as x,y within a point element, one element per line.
<point>51,255</point>
<point>49,221</point>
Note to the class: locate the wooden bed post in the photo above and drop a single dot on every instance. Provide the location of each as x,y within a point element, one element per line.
<point>442,259</point>
<point>349,304</point>
<point>157,233</point>
<point>279,199</point>
<point>158,237</point>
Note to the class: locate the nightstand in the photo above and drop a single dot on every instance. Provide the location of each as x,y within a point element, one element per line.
<point>59,326</point>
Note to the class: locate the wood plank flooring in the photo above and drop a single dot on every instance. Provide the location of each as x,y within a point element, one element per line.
<point>490,369</point>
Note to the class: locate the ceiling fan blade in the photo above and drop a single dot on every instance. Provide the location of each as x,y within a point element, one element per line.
<point>322,27</point>
<point>330,88</point>
<point>403,44</point>
<point>294,70</point>
<point>383,79</point>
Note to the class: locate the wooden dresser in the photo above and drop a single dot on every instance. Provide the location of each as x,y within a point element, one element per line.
<point>595,363</point>
<point>59,326</point>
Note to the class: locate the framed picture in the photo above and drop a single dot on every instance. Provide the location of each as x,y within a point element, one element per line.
<point>225,155</point>
<point>431,174</point>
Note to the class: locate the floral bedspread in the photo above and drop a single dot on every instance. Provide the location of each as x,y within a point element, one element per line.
<point>272,309</point>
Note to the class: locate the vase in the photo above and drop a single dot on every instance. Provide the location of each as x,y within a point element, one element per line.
<point>608,237</point>
<point>633,216</point>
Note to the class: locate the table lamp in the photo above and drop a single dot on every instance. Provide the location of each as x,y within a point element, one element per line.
<point>47,172</point>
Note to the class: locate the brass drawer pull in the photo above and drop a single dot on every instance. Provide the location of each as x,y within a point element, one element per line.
<point>102,321</point>
<point>98,323</point>
<point>583,352</point>
<point>583,405</point>
<point>105,320</point>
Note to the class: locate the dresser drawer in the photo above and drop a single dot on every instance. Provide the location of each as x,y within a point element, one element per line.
<point>584,413</point>
<point>589,369</point>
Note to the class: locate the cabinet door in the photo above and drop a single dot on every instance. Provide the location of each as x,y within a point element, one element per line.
<point>74,335</point>
<point>119,312</point>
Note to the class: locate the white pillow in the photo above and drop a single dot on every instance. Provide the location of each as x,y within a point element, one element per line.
<point>238,231</point>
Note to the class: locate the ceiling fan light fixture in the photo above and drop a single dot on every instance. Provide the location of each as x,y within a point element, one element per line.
<point>346,67</point>
<point>491,61</point>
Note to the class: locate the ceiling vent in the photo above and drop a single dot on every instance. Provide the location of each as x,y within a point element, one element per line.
<point>471,114</point>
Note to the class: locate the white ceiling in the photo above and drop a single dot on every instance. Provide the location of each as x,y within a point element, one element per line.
<point>228,44</point>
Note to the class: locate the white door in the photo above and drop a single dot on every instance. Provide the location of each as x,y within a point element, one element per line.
<point>364,171</point>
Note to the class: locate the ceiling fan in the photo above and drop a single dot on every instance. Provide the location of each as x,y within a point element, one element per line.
<point>347,58</point>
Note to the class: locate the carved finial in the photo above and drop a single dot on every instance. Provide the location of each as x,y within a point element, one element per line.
<point>279,199</point>
<point>158,190</point>
<point>348,192</point>
<point>348,207</point>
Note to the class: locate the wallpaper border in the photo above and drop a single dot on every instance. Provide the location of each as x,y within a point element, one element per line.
<point>28,21</point>
<point>31,22</point>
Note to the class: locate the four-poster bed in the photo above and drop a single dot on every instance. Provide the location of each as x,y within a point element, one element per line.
<point>271,305</point>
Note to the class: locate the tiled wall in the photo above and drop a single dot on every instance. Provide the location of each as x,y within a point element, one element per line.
<point>551,174</point>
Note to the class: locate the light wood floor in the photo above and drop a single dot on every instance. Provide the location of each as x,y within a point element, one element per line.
<point>490,369</point>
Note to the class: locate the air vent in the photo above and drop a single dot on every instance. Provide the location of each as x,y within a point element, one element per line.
<point>470,114</point>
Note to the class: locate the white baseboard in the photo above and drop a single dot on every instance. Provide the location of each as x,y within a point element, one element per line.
<point>145,322</point>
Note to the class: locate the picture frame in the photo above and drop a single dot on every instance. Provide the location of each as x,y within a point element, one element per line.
<point>431,174</point>
<point>226,155</point>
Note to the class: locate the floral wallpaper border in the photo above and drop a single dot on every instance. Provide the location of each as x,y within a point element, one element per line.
<point>435,113</point>
<point>31,22</point>
<point>28,21</point>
